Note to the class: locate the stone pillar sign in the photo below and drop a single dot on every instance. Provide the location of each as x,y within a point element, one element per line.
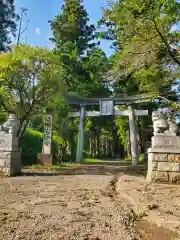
<point>46,157</point>
<point>10,156</point>
<point>164,154</point>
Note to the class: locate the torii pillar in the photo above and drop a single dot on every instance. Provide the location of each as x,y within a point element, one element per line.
<point>133,135</point>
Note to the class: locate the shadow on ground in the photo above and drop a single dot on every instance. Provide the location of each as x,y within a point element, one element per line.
<point>100,168</point>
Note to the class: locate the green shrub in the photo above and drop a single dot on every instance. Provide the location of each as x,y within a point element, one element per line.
<point>31,145</point>
<point>57,149</point>
<point>3,117</point>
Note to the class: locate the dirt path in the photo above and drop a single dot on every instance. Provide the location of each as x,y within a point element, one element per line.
<point>77,207</point>
<point>156,206</point>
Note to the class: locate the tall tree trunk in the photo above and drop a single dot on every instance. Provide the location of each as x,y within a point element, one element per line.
<point>109,148</point>
<point>64,148</point>
<point>106,142</point>
<point>104,147</point>
<point>94,144</point>
<point>90,143</point>
<point>98,144</point>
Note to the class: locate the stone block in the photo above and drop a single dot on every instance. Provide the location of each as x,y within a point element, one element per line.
<point>152,166</point>
<point>2,162</point>
<point>164,150</point>
<point>10,163</point>
<point>174,158</point>
<point>150,157</point>
<point>46,149</point>
<point>157,157</point>
<point>158,177</point>
<point>5,172</point>
<point>174,177</point>
<point>8,142</point>
<point>160,157</point>
<point>163,141</point>
<point>45,159</point>
<point>5,162</point>
<point>168,166</point>
<point>10,156</point>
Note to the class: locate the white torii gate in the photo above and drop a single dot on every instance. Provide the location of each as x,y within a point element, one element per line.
<point>107,109</point>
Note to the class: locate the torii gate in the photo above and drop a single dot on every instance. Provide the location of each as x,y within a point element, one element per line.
<point>107,108</point>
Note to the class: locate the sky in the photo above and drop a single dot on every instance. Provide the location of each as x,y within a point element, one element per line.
<point>41,11</point>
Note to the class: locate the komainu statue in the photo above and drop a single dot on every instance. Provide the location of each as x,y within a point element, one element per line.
<point>164,123</point>
<point>160,124</point>
<point>173,127</point>
<point>11,125</point>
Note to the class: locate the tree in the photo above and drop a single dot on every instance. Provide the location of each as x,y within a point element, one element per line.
<point>146,59</point>
<point>83,61</point>
<point>71,31</point>
<point>31,80</point>
<point>8,19</point>
<point>71,36</point>
<point>144,33</point>
<point>144,30</point>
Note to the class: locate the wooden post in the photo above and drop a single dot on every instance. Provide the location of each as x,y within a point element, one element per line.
<point>80,145</point>
<point>133,135</point>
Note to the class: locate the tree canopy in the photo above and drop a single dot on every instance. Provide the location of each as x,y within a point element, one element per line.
<point>146,37</point>
<point>8,19</point>
<point>83,61</point>
<point>30,77</point>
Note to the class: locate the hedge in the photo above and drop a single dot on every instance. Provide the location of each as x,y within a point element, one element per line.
<point>31,145</point>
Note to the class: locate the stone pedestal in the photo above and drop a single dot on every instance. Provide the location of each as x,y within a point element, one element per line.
<point>45,159</point>
<point>164,159</point>
<point>10,156</point>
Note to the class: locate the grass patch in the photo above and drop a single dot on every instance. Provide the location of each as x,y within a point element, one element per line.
<point>53,167</point>
<point>93,160</point>
<point>141,158</point>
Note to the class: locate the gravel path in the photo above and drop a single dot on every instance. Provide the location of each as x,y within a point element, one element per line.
<point>79,207</point>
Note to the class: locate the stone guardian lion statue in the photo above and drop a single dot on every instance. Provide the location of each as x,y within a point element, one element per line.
<point>11,125</point>
<point>164,123</point>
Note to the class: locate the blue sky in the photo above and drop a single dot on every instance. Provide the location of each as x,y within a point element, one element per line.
<point>41,11</point>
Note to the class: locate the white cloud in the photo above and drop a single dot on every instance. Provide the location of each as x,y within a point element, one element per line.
<point>37,31</point>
